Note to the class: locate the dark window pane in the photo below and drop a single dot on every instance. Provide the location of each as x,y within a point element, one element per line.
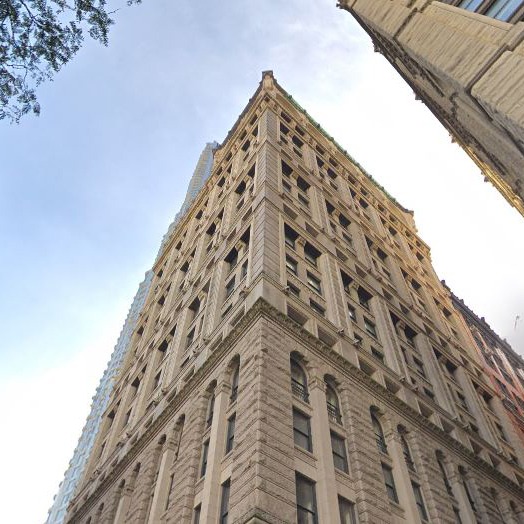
<point>390,483</point>
<point>230,442</point>
<point>347,511</point>
<point>302,430</point>
<point>338,446</point>
<point>306,502</point>
<point>224,505</point>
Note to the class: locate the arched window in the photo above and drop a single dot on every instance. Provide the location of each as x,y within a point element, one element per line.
<point>405,449</point>
<point>333,406</point>
<point>299,381</point>
<point>210,410</point>
<point>379,433</point>
<point>442,467</point>
<point>495,497</point>
<point>467,488</point>
<point>234,384</point>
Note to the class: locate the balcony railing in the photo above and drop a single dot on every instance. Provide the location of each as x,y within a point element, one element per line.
<point>300,391</point>
<point>334,413</point>
<point>381,444</point>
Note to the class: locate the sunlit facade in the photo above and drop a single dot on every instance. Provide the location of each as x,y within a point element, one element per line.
<point>465,60</point>
<point>298,359</point>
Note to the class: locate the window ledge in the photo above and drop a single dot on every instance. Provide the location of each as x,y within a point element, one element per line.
<point>308,455</point>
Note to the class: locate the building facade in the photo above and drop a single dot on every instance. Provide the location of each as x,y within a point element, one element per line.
<point>103,393</point>
<point>503,365</point>
<point>298,359</point>
<point>465,60</point>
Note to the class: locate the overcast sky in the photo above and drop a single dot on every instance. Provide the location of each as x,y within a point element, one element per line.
<point>88,189</point>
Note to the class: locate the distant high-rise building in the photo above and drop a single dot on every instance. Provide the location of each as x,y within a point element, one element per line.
<point>100,400</point>
<point>298,359</point>
<point>465,60</point>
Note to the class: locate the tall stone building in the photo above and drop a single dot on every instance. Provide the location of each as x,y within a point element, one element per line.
<point>465,60</point>
<point>297,358</point>
<point>102,396</point>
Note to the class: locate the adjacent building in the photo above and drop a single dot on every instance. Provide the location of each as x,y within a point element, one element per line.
<point>103,393</point>
<point>503,365</point>
<point>465,60</point>
<point>297,358</point>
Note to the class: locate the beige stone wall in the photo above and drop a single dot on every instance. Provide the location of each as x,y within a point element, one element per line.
<point>264,459</point>
<point>468,69</point>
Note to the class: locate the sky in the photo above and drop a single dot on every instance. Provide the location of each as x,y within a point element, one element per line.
<point>88,189</point>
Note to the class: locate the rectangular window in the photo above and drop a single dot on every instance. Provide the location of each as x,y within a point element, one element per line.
<point>501,432</point>
<point>370,328</point>
<point>302,185</point>
<point>317,308</point>
<point>190,337</point>
<point>306,500</point>
<point>230,442</point>
<point>364,297</point>
<point>196,519</point>
<point>343,221</point>
<point>503,9</point>
<point>352,313</point>
<point>290,236</point>
<point>243,271</point>
<point>291,265</point>
<point>314,283</point>
<point>462,400</point>
<point>302,430</point>
<point>347,511</point>
<point>171,481</point>
<point>419,365</point>
<point>377,354</point>
<point>205,450</point>
<point>127,417</point>
<point>389,482</point>
<point>419,501</point>
<point>294,290</point>
<point>470,5</point>
<point>338,446</point>
<point>348,239</point>
<point>156,380</point>
<point>303,200</point>
<point>230,287</point>
<point>311,254</point>
<point>224,503</point>
<point>232,258</point>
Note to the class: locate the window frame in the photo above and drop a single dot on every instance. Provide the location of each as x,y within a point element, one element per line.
<point>346,508</point>
<point>230,433</point>
<point>301,507</point>
<point>342,458</point>
<point>389,482</point>
<point>419,501</point>
<point>306,435</point>
<point>224,501</point>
